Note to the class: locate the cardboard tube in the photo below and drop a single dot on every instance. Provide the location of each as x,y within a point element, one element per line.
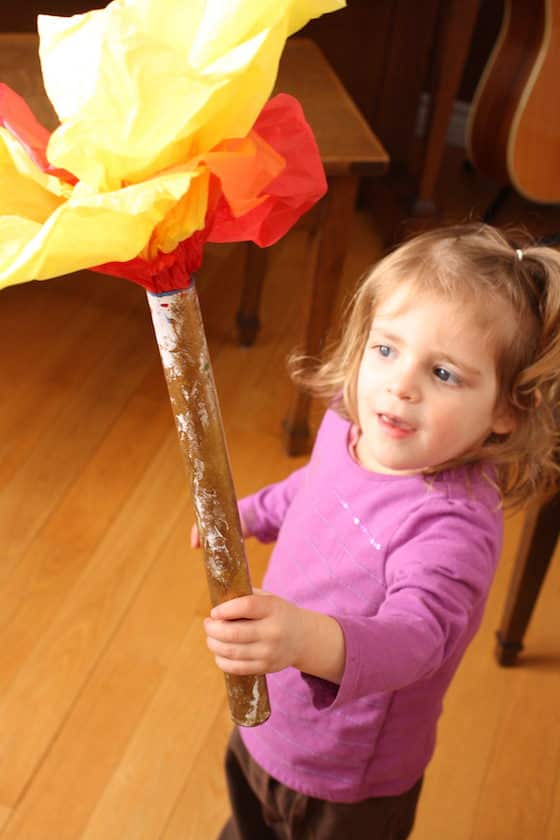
<point>184,353</point>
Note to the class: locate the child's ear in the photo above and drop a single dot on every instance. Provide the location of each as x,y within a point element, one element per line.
<point>503,422</point>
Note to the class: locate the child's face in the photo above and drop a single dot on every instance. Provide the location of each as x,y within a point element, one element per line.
<point>427,385</point>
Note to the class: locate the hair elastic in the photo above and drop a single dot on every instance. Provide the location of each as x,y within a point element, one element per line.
<point>519,254</point>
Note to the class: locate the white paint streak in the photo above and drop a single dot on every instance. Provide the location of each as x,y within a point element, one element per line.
<point>166,333</point>
<point>182,424</point>
<point>214,528</point>
<point>247,708</point>
<point>253,707</point>
<point>202,413</point>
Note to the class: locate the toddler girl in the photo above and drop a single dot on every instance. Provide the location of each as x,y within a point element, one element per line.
<point>443,405</point>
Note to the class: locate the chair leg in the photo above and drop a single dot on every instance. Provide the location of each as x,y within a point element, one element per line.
<point>453,41</point>
<point>552,239</point>
<point>326,251</point>
<point>538,542</point>
<point>247,318</point>
<point>496,204</point>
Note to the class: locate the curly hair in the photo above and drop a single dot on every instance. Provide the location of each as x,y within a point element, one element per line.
<point>474,264</point>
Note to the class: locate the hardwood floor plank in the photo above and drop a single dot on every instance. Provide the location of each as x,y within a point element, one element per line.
<point>141,794</point>
<point>43,579</point>
<point>63,793</point>
<point>35,706</point>
<point>518,789</point>
<point>87,406</point>
<point>39,324</point>
<point>553,825</point>
<point>517,799</point>
<point>35,378</point>
<point>202,807</point>
<point>34,318</point>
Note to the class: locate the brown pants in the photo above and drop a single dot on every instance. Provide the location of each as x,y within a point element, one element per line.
<point>265,809</point>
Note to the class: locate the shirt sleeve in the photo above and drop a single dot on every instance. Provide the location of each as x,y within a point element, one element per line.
<point>438,575</point>
<point>264,511</point>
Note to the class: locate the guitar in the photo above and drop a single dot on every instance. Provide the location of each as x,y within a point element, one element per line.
<point>513,135</point>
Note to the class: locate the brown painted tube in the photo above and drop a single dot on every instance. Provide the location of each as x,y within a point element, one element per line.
<point>184,353</point>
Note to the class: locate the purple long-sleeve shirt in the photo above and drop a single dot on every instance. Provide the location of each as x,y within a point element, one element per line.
<point>404,565</point>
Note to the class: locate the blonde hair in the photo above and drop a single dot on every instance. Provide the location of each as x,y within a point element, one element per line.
<point>477,264</point>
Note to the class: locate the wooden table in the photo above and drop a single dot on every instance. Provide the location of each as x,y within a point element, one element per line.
<point>349,149</point>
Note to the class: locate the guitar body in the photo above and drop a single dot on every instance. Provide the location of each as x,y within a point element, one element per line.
<point>514,127</point>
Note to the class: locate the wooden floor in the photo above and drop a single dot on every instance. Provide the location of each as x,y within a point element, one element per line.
<point>112,714</point>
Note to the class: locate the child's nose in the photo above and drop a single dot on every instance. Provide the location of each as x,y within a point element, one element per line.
<point>408,394</point>
<point>404,385</point>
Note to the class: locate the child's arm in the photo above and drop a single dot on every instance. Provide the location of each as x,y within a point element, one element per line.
<point>262,633</point>
<point>263,512</point>
<point>434,591</point>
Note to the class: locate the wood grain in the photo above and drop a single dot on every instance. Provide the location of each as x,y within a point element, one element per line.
<point>513,133</point>
<point>500,87</point>
<point>533,159</point>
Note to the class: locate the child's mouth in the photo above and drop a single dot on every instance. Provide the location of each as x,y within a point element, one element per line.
<point>395,425</point>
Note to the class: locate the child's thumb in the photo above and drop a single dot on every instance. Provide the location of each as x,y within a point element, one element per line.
<point>195,537</point>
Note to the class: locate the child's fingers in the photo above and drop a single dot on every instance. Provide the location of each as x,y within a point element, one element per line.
<point>236,646</point>
<point>247,606</point>
<point>226,650</point>
<point>239,652</point>
<point>195,537</point>
<point>234,632</point>
<point>240,667</point>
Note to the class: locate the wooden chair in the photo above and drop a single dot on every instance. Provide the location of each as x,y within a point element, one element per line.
<point>349,149</point>
<point>538,541</point>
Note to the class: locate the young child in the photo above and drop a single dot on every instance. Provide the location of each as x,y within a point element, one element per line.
<point>443,409</point>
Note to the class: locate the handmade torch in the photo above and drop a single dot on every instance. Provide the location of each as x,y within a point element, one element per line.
<point>166,141</point>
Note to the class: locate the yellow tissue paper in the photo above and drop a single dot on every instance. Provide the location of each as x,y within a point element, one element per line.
<point>144,90</point>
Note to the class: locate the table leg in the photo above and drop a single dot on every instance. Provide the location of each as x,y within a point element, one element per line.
<point>248,323</point>
<point>536,548</point>
<point>326,252</point>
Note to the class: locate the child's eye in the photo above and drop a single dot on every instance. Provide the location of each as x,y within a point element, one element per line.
<point>445,375</point>
<point>383,350</point>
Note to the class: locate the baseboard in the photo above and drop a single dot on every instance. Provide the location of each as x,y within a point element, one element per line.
<point>457,128</point>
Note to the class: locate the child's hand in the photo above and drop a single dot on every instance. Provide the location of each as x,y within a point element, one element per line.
<point>255,634</point>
